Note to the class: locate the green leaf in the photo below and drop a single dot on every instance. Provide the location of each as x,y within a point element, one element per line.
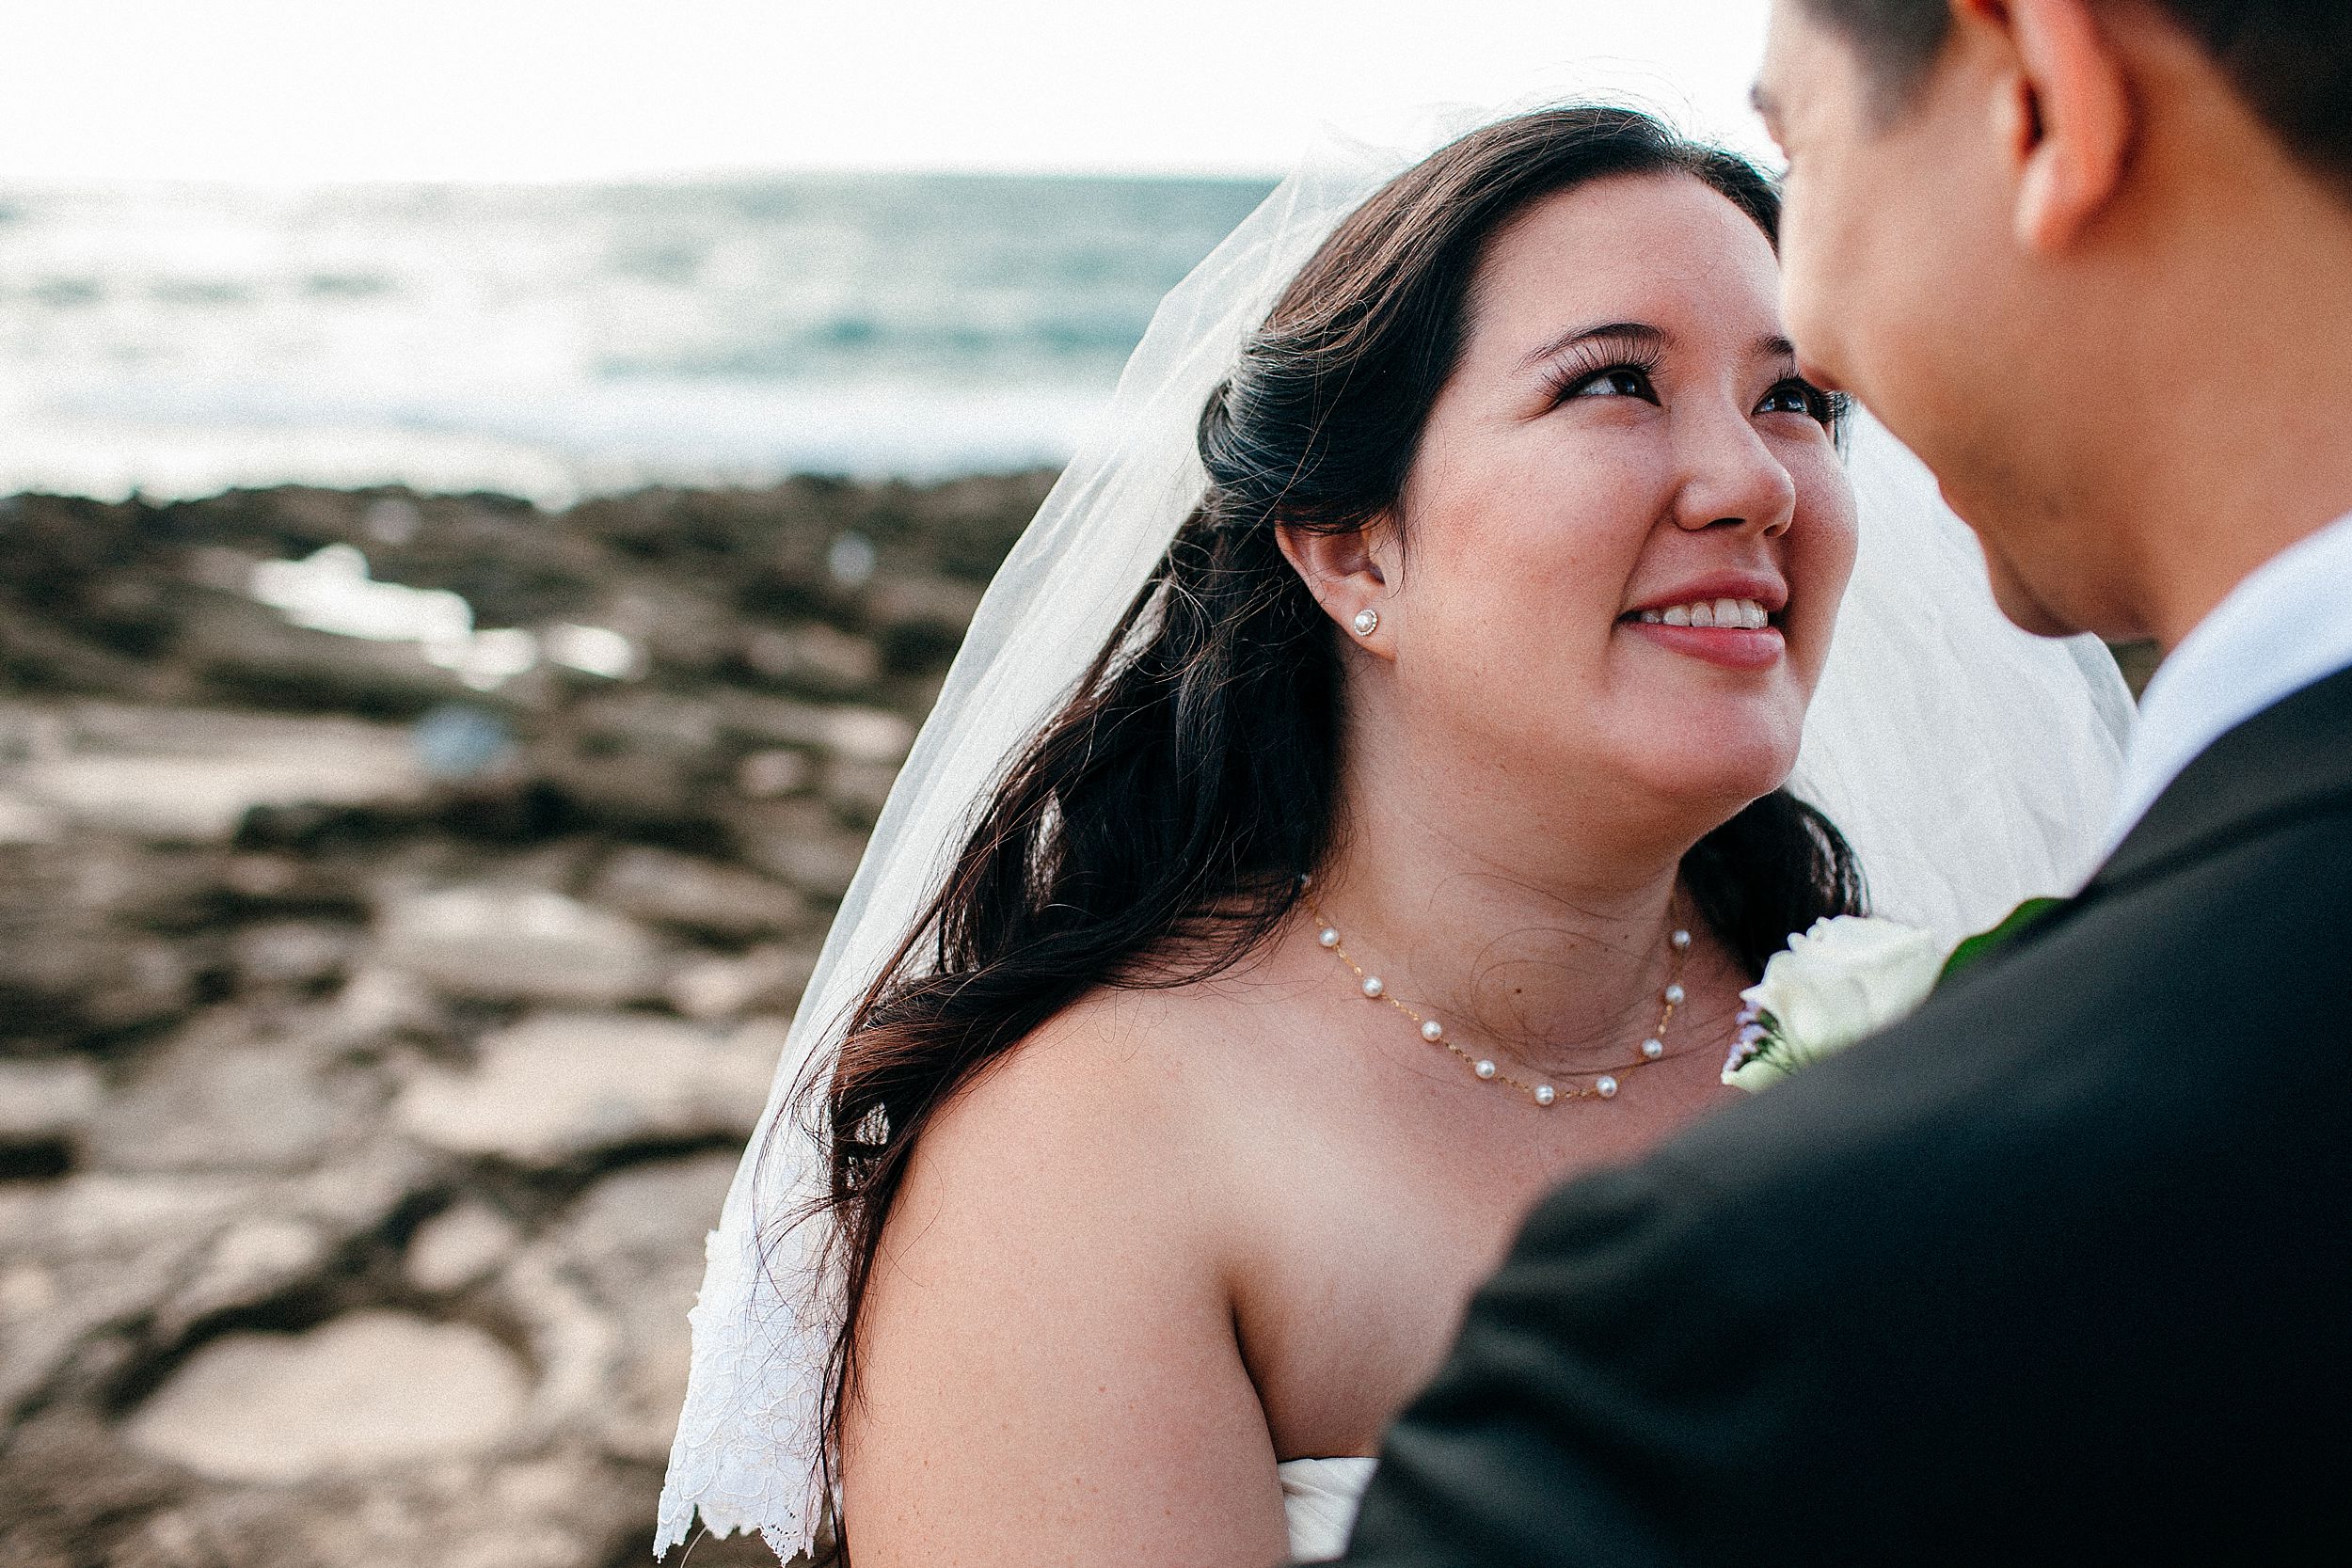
<point>1984,943</point>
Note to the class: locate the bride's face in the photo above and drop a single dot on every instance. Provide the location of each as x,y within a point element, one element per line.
<point>1627,530</point>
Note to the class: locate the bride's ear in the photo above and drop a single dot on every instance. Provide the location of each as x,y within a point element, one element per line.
<point>1350,575</point>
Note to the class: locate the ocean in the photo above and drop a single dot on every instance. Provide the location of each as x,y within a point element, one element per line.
<point>559,342</point>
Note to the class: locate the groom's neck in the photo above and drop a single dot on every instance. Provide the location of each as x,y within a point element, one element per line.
<point>2250,446</point>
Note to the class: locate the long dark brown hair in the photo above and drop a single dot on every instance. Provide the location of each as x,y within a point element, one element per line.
<point>1153,831</point>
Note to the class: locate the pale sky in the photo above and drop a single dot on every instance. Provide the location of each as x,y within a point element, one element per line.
<point>301,90</point>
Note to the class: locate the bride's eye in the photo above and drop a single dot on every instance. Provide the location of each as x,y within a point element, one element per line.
<point>1797,395</point>
<point>1606,381</point>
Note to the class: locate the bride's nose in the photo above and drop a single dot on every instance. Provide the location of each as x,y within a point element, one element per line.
<point>1730,477</point>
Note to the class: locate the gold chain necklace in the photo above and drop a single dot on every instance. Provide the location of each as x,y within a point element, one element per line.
<point>1603,1086</point>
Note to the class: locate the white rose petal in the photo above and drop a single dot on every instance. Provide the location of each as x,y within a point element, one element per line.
<point>1845,978</point>
<point>1756,1072</point>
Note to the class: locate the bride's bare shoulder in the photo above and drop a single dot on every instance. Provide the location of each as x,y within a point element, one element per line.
<point>1052,1299</point>
<point>1120,1092</point>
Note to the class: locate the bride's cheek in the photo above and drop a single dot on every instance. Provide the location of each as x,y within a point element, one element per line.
<point>1842,545</point>
<point>1826,535</point>
<point>1823,570</point>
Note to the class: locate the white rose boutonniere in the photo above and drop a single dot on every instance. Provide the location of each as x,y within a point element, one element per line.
<point>1847,977</point>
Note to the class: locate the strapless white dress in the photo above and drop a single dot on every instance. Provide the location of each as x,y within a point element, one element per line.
<point>1319,1498</point>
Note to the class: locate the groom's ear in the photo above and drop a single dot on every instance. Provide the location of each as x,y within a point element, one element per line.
<point>2064,115</point>
<point>1348,571</point>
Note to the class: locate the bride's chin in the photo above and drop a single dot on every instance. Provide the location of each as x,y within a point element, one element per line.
<point>1716,774</point>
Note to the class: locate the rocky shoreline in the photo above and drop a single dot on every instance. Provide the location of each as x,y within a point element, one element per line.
<point>382,1002</point>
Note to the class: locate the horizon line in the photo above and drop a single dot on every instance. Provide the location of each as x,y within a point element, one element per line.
<point>710,174</point>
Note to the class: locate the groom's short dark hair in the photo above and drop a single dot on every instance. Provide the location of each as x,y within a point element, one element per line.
<point>2291,59</point>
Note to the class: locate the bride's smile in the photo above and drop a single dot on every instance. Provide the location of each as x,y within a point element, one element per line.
<point>1712,625</point>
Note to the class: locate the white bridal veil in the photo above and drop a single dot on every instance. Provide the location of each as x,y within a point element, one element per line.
<point>1971,767</point>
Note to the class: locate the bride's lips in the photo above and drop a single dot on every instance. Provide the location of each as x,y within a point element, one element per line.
<point>1744,647</point>
<point>1729,646</point>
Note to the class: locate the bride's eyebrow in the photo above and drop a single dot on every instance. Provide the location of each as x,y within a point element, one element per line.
<point>1637,335</point>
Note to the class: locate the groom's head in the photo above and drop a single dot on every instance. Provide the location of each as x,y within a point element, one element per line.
<point>2055,244</point>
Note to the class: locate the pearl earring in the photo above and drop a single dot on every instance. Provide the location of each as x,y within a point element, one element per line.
<point>1367,622</point>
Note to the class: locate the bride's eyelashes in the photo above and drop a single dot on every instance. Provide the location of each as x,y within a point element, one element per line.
<point>1824,408</point>
<point>1584,375</point>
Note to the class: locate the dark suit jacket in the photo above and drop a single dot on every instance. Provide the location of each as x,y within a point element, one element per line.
<point>2058,1271</point>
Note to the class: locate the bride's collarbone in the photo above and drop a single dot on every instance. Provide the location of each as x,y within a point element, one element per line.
<point>1280,1073</point>
<point>1286,1119</point>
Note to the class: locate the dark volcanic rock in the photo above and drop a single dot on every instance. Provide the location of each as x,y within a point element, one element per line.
<point>699,895</point>
<point>225,1096</point>
<point>561,1086</point>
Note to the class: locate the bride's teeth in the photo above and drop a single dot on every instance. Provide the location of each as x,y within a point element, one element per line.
<point>1729,615</point>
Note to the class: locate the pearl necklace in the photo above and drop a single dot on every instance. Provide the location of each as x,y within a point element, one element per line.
<point>1604,1087</point>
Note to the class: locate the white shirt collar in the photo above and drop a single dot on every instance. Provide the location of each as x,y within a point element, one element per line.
<point>2289,623</point>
